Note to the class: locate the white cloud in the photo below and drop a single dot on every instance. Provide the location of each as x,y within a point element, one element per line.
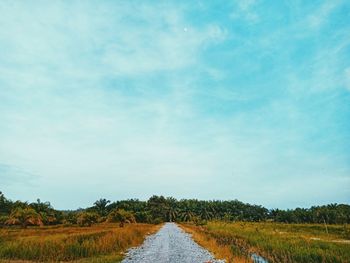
<point>244,9</point>
<point>147,51</point>
<point>88,40</point>
<point>246,4</point>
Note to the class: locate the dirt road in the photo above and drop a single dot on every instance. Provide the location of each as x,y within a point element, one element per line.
<point>169,245</point>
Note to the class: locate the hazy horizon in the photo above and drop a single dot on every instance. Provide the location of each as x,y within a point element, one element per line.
<point>246,100</point>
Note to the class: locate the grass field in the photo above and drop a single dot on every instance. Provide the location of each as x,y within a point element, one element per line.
<point>232,241</point>
<point>276,242</point>
<point>99,243</point>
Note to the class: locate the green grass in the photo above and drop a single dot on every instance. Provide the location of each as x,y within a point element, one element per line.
<point>284,242</point>
<point>100,243</point>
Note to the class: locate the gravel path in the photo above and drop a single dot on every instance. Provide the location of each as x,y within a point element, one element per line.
<point>169,245</point>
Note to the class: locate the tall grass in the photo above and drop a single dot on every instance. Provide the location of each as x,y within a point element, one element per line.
<point>220,251</point>
<point>283,242</point>
<point>70,243</point>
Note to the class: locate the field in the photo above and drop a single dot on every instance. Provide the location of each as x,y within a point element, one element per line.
<point>236,242</point>
<point>99,243</point>
<point>275,242</point>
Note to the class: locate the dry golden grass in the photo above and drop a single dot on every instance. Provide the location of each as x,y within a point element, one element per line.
<point>99,243</point>
<point>220,251</point>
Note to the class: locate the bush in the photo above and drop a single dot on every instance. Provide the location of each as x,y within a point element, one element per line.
<point>121,216</point>
<point>143,217</point>
<point>70,218</point>
<point>87,218</point>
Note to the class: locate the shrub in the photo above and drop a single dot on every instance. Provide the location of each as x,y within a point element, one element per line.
<point>70,218</point>
<point>121,216</point>
<point>87,218</point>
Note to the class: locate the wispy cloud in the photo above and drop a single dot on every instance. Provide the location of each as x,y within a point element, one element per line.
<point>244,9</point>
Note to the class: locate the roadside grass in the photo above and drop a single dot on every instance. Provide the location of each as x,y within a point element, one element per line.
<point>220,251</point>
<point>309,243</point>
<point>99,243</point>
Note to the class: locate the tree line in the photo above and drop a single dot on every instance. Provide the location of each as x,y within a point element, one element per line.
<point>158,209</point>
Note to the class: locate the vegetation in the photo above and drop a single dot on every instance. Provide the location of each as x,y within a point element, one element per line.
<point>87,218</point>
<point>161,209</point>
<point>231,229</point>
<point>99,243</point>
<point>24,217</point>
<point>217,248</point>
<point>121,216</point>
<point>101,206</point>
<point>275,241</point>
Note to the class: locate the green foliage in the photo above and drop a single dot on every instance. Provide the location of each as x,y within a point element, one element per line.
<point>41,206</point>
<point>121,216</point>
<point>143,216</point>
<point>101,206</point>
<point>164,209</point>
<point>49,215</point>
<point>328,214</point>
<point>187,215</point>
<point>69,218</point>
<point>157,221</point>
<point>87,218</point>
<point>158,206</point>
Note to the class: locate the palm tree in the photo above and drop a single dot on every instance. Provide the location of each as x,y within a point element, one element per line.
<point>172,213</point>
<point>101,206</point>
<point>171,209</point>
<point>187,214</point>
<point>24,217</point>
<point>206,213</point>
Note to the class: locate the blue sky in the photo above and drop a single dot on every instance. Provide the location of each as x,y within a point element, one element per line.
<point>245,100</point>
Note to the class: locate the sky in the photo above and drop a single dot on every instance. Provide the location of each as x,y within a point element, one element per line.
<point>245,99</point>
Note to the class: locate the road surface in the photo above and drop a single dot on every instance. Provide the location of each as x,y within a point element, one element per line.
<point>170,245</point>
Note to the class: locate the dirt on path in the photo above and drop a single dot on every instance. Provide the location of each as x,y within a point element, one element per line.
<point>170,245</point>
